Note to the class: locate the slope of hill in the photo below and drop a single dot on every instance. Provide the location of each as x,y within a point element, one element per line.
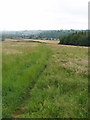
<point>37,34</point>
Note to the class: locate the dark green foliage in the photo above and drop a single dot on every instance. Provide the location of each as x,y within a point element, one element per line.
<point>77,38</point>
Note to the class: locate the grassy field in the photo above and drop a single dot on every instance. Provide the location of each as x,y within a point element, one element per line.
<point>0,80</point>
<point>44,80</point>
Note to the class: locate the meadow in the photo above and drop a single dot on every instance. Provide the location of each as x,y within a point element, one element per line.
<point>0,80</point>
<point>44,80</point>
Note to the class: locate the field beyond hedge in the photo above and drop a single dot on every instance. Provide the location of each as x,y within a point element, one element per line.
<point>44,80</point>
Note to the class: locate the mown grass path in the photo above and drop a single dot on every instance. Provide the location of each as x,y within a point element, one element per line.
<point>20,73</point>
<point>21,109</point>
<point>62,89</point>
<point>57,82</point>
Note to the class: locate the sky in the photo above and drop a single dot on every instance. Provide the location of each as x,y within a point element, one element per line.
<point>43,14</point>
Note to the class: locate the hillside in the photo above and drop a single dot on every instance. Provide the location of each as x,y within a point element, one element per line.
<point>37,34</point>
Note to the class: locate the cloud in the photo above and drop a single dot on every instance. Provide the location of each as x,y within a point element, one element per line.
<point>43,14</point>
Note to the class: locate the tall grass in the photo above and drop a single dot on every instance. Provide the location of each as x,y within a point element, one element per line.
<point>0,80</point>
<point>20,73</point>
<point>45,81</point>
<point>61,91</point>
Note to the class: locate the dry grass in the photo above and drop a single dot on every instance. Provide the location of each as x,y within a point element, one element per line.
<point>45,41</point>
<point>9,47</point>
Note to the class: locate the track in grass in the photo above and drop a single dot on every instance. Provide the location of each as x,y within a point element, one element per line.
<point>59,85</point>
<point>20,73</point>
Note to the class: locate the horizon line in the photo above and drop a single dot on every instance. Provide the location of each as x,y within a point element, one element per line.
<point>41,29</point>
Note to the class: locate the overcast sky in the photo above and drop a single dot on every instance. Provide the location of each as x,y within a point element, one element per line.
<point>43,14</point>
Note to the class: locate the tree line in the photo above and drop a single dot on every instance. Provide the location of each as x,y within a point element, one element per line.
<point>77,38</point>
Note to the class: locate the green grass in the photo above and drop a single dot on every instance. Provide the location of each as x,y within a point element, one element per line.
<point>45,82</point>
<point>20,73</point>
<point>0,80</point>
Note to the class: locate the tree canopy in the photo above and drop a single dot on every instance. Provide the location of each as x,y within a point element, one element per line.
<point>77,38</point>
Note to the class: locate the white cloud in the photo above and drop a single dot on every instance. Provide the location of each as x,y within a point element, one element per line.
<point>43,14</point>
